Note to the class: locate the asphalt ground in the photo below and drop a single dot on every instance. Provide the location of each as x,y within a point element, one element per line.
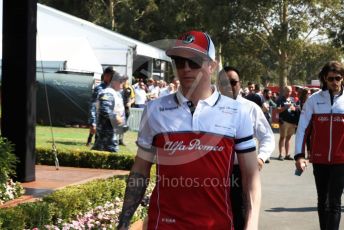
<point>288,201</point>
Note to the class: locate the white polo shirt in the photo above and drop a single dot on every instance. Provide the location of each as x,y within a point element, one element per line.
<point>194,154</point>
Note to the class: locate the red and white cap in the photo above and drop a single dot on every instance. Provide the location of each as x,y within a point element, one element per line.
<point>194,41</point>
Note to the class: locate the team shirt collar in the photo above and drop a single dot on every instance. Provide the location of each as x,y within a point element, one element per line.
<point>211,100</point>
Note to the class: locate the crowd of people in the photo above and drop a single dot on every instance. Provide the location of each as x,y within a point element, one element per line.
<point>197,133</point>
<point>104,107</point>
<point>288,107</point>
<point>150,89</point>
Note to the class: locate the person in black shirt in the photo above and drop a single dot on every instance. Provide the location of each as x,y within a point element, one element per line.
<point>289,114</point>
<point>128,96</point>
<point>253,95</point>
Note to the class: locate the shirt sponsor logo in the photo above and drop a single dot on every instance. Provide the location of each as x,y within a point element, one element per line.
<point>321,103</point>
<point>338,119</point>
<point>227,109</point>
<point>195,144</point>
<point>323,119</point>
<point>168,220</point>
<point>162,109</point>
<point>334,119</point>
<point>189,38</point>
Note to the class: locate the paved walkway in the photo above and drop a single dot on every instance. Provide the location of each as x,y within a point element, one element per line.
<point>49,179</point>
<point>288,201</point>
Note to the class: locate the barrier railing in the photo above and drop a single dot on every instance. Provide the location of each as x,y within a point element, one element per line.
<point>134,118</point>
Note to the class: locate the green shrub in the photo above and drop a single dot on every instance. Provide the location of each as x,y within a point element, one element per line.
<point>86,159</point>
<point>74,200</point>
<point>8,189</point>
<point>37,214</point>
<point>7,160</point>
<point>63,204</point>
<point>12,218</point>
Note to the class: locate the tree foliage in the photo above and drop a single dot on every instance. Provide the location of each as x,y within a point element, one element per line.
<point>270,41</point>
<point>281,32</point>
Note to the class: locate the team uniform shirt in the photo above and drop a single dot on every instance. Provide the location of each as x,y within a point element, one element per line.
<point>261,129</point>
<point>323,122</point>
<point>93,108</point>
<point>194,150</point>
<point>109,106</point>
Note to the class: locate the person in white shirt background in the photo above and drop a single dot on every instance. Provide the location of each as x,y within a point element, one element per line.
<point>228,83</point>
<point>140,95</point>
<point>168,90</point>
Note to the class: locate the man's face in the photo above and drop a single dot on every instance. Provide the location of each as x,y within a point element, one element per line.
<point>107,78</point>
<point>287,92</point>
<point>234,82</point>
<point>229,84</point>
<point>192,70</point>
<point>117,85</point>
<point>150,82</point>
<point>334,81</point>
<point>251,88</point>
<point>142,85</point>
<point>268,94</point>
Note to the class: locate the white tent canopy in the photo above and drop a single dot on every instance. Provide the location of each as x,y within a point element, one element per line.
<point>75,53</point>
<point>84,45</point>
<point>99,37</point>
<point>110,48</point>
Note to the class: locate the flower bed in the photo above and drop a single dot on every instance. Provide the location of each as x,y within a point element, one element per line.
<point>94,205</point>
<point>9,190</point>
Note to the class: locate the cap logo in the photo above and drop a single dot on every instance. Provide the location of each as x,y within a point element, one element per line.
<point>188,39</point>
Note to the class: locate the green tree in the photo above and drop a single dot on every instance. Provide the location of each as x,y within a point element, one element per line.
<point>336,30</point>
<point>283,29</point>
<point>280,41</point>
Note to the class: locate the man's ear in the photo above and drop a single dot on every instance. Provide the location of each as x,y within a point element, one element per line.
<point>213,66</point>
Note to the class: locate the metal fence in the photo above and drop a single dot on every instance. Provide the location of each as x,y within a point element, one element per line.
<point>135,118</point>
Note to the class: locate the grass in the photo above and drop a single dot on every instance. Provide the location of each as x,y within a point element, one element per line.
<point>75,138</point>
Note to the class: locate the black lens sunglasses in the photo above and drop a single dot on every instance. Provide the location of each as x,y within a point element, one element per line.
<point>193,62</point>
<point>337,78</point>
<point>224,82</point>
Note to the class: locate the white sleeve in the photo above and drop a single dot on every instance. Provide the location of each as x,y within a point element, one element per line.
<point>244,141</point>
<point>305,118</point>
<point>263,133</point>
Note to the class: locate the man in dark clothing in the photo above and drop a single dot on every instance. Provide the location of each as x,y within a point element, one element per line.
<point>128,96</point>
<point>288,118</point>
<point>253,95</point>
<point>106,79</point>
<point>110,115</point>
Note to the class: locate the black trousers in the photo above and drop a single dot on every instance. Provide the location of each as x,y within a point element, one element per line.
<point>329,181</point>
<point>238,207</point>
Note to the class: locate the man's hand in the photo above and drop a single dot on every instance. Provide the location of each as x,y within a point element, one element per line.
<point>119,120</point>
<point>260,164</point>
<point>265,107</point>
<point>301,164</point>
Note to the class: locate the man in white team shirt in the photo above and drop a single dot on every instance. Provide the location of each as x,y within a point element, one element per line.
<point>192,135</point>
<point>228,83</point>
